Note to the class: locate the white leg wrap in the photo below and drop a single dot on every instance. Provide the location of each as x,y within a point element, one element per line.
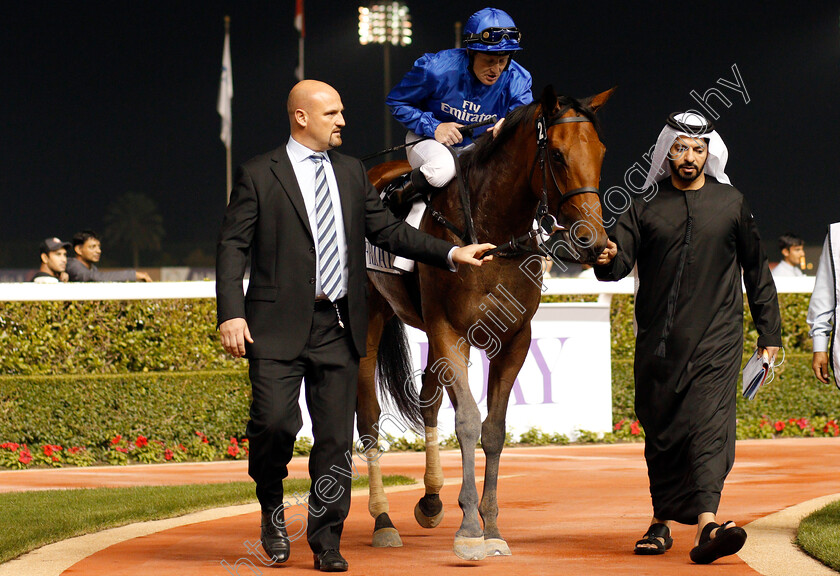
<point>433,479</point>
<point>378,502</point>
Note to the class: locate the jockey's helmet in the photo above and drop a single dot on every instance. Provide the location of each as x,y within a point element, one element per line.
<point>491,30</point>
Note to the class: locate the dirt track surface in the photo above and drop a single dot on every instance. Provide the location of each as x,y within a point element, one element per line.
<point>564,510</point>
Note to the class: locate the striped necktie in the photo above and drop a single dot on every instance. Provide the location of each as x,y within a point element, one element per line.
<point>330,263</point>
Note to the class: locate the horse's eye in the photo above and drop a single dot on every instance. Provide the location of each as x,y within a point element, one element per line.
<point>557,156</point>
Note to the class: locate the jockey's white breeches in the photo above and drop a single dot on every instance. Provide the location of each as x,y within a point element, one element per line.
<point>433,159</point>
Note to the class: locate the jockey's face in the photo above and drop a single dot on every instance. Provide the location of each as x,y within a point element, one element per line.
<point>487,67</point>
<point>688,158</point>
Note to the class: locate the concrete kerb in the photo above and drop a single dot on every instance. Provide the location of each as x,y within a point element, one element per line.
<point>770,548</point>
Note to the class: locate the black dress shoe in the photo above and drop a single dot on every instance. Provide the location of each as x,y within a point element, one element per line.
<point>274,540</point>
<point>330,561</point>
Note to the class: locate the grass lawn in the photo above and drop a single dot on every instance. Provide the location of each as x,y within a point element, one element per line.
<point>33,519</point>
<point>819,535</point>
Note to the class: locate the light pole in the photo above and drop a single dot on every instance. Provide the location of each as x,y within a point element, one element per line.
<point>386,23</point>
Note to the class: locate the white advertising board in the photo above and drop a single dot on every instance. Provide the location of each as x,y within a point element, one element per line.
<point>563,386</point>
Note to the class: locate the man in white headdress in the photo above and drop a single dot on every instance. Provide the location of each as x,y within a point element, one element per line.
<point>690,240</point>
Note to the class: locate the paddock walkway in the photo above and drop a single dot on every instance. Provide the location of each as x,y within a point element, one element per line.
<point>572,510</point>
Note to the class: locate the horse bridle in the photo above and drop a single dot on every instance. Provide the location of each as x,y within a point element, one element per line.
<point>542,214</point>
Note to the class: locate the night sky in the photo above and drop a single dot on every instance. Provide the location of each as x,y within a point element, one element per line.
<point>103,98</point>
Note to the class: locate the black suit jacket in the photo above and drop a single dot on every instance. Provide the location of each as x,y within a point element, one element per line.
<point>266,216</point>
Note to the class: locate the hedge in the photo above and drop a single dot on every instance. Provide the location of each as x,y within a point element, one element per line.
<point>794,309</point>
<point>180,335</point>
<point>131,371</point>
<point>90,410</point>
<point>106,337</point>
<point>794,393</point>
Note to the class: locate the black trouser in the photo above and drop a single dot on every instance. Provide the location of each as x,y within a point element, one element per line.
<point>330,366</point>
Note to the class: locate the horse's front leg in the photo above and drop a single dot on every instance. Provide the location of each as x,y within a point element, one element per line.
<point>504,367</point>
<point>449,372</point>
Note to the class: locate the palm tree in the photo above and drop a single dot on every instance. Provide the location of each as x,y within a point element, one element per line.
<point>133,220</point>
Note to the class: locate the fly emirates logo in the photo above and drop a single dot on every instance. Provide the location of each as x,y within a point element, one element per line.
<point>468,113</point>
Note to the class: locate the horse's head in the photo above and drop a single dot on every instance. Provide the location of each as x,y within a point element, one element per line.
<point>567,172</point>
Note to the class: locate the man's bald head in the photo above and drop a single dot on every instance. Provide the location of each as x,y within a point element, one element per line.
<point>315,114</point>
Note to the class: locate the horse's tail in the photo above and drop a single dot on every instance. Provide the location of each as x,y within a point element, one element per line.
<point>396,377</point>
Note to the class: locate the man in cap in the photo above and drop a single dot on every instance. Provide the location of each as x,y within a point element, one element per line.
<point>53,262</point>
<point>82,268</point>
<point>822,311</point>
<point>690,234</point>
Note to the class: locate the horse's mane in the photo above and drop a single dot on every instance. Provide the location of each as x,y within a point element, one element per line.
<point>476,159</point>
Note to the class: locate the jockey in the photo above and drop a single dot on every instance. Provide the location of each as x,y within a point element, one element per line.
<point>449,89</point>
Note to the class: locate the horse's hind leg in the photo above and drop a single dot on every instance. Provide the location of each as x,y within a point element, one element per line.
<point>429,509</point>
<point>504,368</point>
<point>385,535</point>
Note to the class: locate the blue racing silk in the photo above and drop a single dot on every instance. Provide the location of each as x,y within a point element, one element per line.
<point>440,88</point>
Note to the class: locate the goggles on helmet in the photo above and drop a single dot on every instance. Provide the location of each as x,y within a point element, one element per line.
<point>493,36</point>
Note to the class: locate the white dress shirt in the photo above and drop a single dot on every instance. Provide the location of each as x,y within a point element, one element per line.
<point>821,309</point>
<point>786,270</point>
<point>305,169</point>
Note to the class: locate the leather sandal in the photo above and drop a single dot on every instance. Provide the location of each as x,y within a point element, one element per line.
<point>656,541</point>
<point>727,541</point>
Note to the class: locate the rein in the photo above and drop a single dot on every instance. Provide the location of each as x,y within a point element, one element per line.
<point>545,220</point>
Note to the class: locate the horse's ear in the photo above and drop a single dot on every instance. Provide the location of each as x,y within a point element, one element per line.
<point>600,99</point>
<point>548,100</point>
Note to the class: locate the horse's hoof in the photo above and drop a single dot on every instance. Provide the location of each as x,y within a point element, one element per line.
<point>469,548</point>
<point>427,521</point>
<point>496,547</point>
<point>387,538</point>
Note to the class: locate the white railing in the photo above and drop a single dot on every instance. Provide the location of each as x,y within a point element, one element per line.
<point>28,291</point>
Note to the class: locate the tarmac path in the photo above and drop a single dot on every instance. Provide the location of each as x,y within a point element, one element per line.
<point>564,510</point>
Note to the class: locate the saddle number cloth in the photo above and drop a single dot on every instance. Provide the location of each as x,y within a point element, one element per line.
<point>380,260</point>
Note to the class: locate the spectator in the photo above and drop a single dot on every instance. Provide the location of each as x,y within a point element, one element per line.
<point>88,250</point>
<point>53,262</point>
<point>793,257</point>
<point>822,311</point>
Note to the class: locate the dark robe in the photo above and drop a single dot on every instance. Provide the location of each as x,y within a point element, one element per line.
<point>686,399</point>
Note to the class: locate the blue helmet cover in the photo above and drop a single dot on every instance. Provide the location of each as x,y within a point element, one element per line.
<point>485,19</point>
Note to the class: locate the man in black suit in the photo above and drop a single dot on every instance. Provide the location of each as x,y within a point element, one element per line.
<point>303,215</point>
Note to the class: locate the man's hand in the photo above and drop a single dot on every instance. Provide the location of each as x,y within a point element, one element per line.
<point>64,277</point>
<point>447,133</point>
<point>608,254</point>
<point>497,126</point>
<point>234,334</point>
<point>143,277</point>
<point>771,353</point>
<point>820,366</point>
<point>472,254</point>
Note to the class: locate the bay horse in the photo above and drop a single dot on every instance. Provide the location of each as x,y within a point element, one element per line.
<point>545,160</point>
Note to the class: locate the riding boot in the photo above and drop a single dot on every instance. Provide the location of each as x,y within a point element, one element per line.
<point>401,192</point>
